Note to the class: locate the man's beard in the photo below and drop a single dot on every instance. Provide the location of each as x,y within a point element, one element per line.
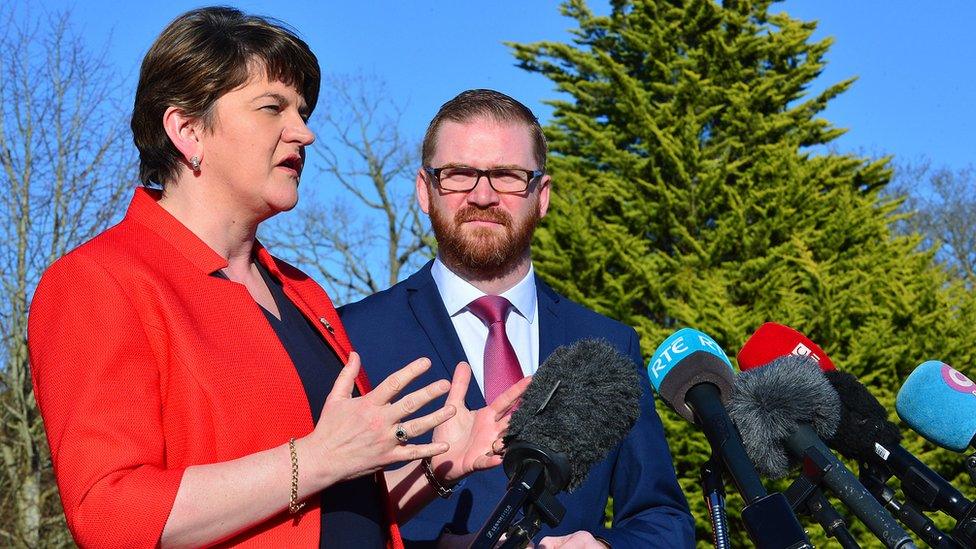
<point>482,253</point>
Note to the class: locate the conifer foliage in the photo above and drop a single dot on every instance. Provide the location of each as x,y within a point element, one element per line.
<point>691,188</point>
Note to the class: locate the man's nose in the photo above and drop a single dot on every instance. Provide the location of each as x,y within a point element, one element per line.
<point>482,194</point>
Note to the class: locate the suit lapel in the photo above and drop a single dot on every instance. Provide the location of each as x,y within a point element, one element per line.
<point>428,308</point>
<point>552,328</point>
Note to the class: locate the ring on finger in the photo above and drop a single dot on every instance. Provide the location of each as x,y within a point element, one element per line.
<point>401,434</point>
<point>498,447</point>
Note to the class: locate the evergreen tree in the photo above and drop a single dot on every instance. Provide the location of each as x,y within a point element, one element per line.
<point>689,190</point>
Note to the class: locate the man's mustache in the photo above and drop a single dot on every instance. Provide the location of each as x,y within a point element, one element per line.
<point>493,215</point>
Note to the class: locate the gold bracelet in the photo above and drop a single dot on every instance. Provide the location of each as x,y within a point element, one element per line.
<point>293,505</point>
<point>439,488</point>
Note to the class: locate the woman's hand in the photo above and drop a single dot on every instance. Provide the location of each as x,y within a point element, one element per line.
<point>356,436</point>
<point>474,436</point>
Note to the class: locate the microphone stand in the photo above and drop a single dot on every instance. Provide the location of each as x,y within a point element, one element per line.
<point>875,480</point>
<point>820,465</point>
<point>545,508</point>
<point>965,530</point>
<point>535,474</point>
<point>519,535</point>
<point>806,497</point>
<point>714,491</point>
<point>971,467</point>
<point>768,518</point>
<point>930,492</point>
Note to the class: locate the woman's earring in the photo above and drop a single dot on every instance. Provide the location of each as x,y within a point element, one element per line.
<point>195,164</point>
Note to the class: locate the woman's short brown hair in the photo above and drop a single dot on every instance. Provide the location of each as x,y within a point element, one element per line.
<point>200,56</point>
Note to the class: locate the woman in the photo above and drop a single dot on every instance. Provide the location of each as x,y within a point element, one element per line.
<point>196,390</point>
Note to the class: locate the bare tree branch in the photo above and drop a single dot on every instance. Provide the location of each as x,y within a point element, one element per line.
<point>362,237</point>
<point>942,204</point>
<point>66,167</point>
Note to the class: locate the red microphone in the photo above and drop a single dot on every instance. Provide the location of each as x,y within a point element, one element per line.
<point>773,340</point>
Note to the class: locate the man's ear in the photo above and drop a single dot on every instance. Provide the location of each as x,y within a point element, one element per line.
<point>423,191</point>
<point>544,185</point>
<point>184,132</point>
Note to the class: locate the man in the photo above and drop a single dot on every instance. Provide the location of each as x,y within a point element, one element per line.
<point>483,185</point>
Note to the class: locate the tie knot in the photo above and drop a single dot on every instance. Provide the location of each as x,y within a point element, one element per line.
<point>490,308</point>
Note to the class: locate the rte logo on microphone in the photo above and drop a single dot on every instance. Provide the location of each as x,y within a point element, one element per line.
<point>682,343</point>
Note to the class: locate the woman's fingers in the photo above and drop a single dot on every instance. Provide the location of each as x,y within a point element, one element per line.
<point>412,452</point>
<point>392,385</point>
<point>346,380</point>
<point>419,426</point>
<point>417,399</point>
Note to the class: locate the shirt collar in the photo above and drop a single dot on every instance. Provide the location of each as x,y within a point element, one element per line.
<point>457,293</point>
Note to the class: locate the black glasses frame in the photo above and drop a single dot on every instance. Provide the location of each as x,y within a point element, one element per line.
<point>530,176</point>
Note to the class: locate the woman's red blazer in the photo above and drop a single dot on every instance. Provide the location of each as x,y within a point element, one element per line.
<point>145,364</point>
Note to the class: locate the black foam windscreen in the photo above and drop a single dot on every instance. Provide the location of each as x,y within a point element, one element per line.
<point>770,403</point>
<point>698,367</point>
<point>581,402</point>
<point>863,420</point>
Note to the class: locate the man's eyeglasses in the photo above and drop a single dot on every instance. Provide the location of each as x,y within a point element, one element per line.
<point>503,180</point>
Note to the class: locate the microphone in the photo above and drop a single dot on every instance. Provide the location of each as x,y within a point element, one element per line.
<point>582,401</point>
<point>701,360</point>
<point>939,403</point>
<point>866,435</point>
<point>772,403</point>
<point>691,373</point>
<point>693,376</point>
<point>788,405</point>
<point>773,340</point>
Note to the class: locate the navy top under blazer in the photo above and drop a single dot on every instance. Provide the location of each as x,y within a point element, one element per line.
<point>350,515</point>
<point>409,320</point>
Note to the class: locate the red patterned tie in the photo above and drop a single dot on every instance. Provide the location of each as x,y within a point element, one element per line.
<point>502,368</point>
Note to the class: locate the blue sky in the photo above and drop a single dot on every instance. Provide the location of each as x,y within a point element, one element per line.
<point>915,61</point>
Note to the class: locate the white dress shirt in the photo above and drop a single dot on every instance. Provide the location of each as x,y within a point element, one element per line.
<point>521,325</point>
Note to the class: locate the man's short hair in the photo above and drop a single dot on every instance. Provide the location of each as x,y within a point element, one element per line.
<point>497,106</point>
<point>199,57</point>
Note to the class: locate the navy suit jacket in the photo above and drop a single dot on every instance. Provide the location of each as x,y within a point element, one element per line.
<point>409,320</point>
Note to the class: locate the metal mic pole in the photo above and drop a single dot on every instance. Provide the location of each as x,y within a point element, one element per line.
<point>875,480</point>
<point>714,491</point>
<point>805,496</point>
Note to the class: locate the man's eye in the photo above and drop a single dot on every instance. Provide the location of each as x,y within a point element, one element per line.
<point>460,173</point>
<point>272,108</point>
<point>506,174</point>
